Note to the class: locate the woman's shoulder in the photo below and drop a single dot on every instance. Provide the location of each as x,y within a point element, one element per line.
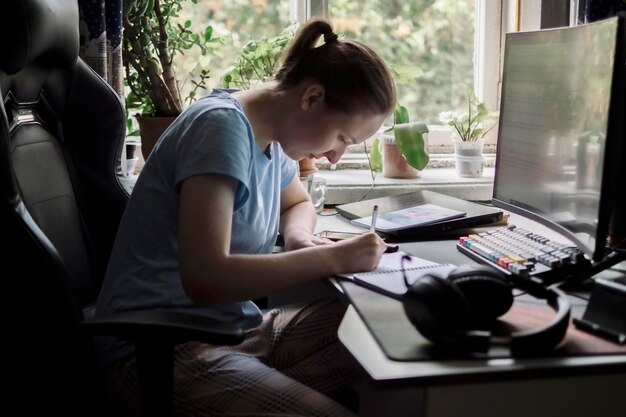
<point>217,99</point>
<point>218,105</point>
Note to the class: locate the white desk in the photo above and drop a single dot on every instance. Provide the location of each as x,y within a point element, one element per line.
<point>557,386</point>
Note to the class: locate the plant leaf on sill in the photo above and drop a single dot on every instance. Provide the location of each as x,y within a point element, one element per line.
<point>410,143</point>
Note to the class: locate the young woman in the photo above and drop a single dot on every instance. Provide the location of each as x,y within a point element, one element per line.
<point>203,218</point>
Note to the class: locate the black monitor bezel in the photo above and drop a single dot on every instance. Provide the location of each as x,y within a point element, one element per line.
<point>613,151</point>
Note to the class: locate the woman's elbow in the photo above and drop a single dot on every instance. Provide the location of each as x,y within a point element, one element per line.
<point>201,290</point>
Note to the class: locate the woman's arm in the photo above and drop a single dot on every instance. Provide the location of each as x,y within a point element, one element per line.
<point>210,274</point>
<point>298,218</point>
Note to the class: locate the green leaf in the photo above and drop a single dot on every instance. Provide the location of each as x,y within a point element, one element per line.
<point>376,156</point>
<point>400,115</point>
<point>406,73</point>
<point>411,144</point>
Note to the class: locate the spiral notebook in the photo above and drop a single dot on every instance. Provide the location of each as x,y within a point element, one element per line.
<point>388,277</point>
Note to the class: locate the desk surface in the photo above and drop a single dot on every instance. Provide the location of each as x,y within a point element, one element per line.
<point>356,336</point>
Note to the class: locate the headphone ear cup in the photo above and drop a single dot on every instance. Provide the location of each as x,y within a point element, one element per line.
<point>487,291</point>
<point>437,309</point>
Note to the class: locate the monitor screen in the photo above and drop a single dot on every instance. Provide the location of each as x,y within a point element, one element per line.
<point>554,132</point>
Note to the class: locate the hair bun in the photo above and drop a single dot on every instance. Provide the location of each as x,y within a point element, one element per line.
<point>330,37</point>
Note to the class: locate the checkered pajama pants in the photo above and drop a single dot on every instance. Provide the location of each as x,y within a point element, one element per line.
<point>288,366</point>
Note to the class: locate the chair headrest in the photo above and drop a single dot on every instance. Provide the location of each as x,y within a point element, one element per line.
<point>37,29</point>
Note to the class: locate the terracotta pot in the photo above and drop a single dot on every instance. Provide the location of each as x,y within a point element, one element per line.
<point>394,164</point>
<point>150,130</point>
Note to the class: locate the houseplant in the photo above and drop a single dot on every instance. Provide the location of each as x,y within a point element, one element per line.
<point>473,125</point>
<point>153,40</point>
<point>401,151</point>
<point>258,59</point>
<point>469,130</point>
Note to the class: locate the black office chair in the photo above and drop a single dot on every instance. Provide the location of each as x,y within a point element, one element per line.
<point>62,130</point>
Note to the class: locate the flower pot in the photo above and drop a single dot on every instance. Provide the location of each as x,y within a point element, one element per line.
<point>468,147</point>
<point>394,164</point>
<point>469,166</point>
<point>150,130</point>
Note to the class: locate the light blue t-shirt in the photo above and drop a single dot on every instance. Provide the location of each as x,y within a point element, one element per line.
<point>213,136</point>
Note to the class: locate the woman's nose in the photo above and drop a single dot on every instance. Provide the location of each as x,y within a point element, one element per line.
<point>333,156</point>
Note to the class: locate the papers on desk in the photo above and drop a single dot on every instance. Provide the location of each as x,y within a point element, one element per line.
<point>388,277</point>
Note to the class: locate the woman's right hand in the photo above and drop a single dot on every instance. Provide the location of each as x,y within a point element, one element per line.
<point>359,254</point>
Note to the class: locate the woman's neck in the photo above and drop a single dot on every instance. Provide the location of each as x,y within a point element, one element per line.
<point>261,105</point>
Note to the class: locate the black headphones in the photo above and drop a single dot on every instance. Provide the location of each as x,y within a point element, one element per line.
<point>445,310</point>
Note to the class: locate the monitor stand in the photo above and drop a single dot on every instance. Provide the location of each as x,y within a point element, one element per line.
<point>605,315</point>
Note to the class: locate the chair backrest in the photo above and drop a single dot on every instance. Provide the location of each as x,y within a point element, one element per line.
<point>62,132</point>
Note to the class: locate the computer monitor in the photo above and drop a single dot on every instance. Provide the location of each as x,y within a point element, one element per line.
<point>561,129</point>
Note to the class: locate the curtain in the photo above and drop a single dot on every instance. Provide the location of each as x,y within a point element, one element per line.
<point>101,39</point>
<point>101,49</point>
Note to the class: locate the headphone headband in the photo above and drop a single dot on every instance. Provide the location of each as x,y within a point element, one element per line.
<point>442,308</point>
<point>540,339</point>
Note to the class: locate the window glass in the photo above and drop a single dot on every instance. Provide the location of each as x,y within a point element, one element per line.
<point>235,23</point>
<point>437,36</point>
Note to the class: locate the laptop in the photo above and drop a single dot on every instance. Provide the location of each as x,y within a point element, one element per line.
<point>476,214</point>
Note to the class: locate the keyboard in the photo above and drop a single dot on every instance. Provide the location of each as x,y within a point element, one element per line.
<point>522,253</point>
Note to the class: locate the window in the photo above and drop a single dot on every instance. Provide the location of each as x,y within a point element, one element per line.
<point>454,43</point>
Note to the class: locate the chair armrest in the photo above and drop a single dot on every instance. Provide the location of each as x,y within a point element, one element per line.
<point>154,334</point>
<point>165,327</point>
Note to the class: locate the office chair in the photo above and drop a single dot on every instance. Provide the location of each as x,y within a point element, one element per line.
<point>62,129</point>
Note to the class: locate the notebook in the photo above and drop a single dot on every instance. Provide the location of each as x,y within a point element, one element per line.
<point>388,278</point>
<point>476,214</point>
<point>410,217</point>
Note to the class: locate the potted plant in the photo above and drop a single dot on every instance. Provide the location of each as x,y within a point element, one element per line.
<point>468,135</point>
<point>153,39</point>
<point>401,151</point>
<point>258,59</point>
<point>470,127</point>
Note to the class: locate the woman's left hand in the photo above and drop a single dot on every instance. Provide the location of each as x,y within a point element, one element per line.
<point>304,240</point>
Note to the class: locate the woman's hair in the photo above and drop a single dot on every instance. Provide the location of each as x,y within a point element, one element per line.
<point>354,77</point>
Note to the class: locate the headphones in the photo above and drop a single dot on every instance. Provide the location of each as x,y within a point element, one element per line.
<point>446,310</point>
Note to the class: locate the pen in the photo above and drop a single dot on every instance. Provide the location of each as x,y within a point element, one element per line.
<point>374,216</point>
<point>390,248</point>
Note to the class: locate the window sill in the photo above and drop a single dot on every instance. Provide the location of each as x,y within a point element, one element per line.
<point>349,185</point>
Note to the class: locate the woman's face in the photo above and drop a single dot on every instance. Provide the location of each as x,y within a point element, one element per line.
<point>318,132</point>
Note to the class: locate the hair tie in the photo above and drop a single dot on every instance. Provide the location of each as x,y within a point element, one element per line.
<point>330,37</point>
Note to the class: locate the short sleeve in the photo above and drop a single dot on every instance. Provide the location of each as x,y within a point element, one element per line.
<point>287,169</point>
<point>214,141</point>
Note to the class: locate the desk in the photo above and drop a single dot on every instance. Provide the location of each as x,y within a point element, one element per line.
<point>555,386</point>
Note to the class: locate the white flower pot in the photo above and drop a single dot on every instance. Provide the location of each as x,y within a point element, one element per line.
<point>469,166</point>
<point>468,148</point>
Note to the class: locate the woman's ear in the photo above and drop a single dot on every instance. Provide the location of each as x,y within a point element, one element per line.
<point>313,94</point>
